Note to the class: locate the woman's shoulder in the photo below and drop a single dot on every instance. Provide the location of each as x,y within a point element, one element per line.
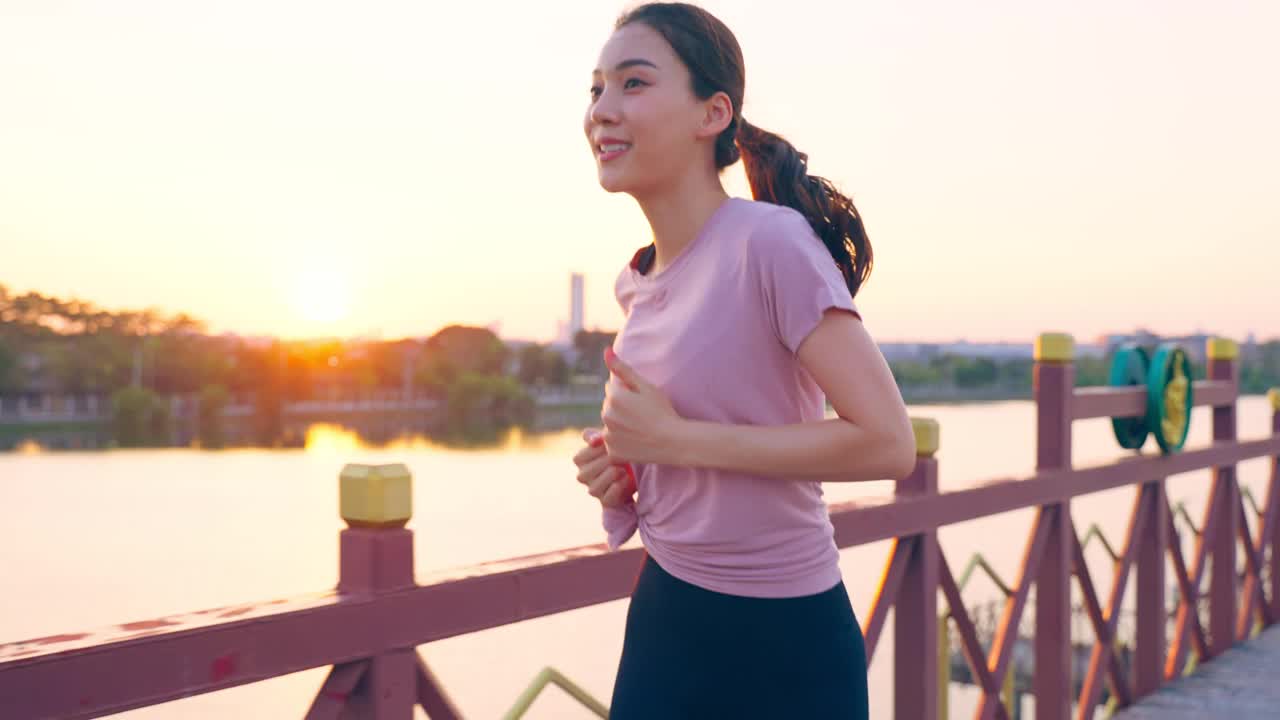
<point>764,227</point>
<point>759,213</point>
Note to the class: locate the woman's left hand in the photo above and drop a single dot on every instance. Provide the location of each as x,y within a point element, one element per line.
<point>640,425</point>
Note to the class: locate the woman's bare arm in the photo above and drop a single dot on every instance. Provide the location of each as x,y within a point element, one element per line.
<point>871,439</point>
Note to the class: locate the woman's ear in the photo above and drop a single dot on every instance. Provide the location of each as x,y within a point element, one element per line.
<point>718,113</point>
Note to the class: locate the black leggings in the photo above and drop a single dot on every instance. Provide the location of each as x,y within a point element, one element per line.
<point>694,653</point>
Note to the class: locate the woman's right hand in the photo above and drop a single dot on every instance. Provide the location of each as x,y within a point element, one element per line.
<point>604,479</point>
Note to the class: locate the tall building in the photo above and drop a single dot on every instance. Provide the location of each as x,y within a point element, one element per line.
<point>575,304</point>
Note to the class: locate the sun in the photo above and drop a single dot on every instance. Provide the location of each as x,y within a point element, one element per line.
<point>321,295</point>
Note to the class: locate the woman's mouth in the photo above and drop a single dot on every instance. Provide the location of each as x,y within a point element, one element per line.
<point>607,151</point>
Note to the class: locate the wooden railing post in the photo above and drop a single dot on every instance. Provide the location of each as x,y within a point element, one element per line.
<point>1223,358</point>
<point>1053,388</point>
<point>915,636</point>
<point>376,556</point>
<point>944,667</point>
<point>1150,639</point>
<point>1273,497</point>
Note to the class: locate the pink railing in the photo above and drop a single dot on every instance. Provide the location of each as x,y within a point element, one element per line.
<point>368,628</point>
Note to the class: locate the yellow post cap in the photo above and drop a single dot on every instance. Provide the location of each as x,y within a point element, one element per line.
<point>926,431</point>
<point>376,496</point>
<point>1220,348</point>
<point>1055,347</point>
<point>1274,396</point>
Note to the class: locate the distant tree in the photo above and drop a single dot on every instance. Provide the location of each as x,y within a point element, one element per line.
<point>383,364</point>
<point>436,374</point>
<point>270,388</point>
<point>974,372</point>
<point>475,399</point>
<point>183,324</point>
<point>511,404</point>
<point>1269,365</point>
<point>139,418</point>
<point>532,360</point>
<point>6,311</point>
<point>1092,371</point>
<point>1252,379</point>
<point>468,349</point>
<point>10,380</point>
<point>542,365</point>
<point>590,345</point>
<point>557,368</point>
<point>909,373</point>
<point>62,365</point>
<point>209,430</point>
<point>1016,373</point>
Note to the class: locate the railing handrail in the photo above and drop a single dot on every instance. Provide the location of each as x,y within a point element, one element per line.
<point>517,589</point>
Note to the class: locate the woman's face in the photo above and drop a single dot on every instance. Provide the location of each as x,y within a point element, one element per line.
<point>643,122</point>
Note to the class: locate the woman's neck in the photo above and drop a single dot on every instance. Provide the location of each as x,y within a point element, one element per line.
<point>677,215</point>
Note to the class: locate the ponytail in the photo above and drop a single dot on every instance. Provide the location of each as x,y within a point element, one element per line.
<point>778,174</point>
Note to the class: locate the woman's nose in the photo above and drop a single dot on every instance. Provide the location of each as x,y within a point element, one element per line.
<point>605,110</point>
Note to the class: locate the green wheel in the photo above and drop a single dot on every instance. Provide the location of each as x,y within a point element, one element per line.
<point>1169,397</point>
<point>1129,367</point>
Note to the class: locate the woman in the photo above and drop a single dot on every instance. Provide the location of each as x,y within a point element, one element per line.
<point>739,319</point>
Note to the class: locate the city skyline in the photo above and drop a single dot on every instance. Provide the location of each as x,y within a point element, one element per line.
<point>1020,168</point>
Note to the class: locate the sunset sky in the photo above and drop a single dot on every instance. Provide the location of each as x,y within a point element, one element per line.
<point>322,168</point>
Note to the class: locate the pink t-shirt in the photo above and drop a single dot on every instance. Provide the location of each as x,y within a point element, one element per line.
<point>718,331</point>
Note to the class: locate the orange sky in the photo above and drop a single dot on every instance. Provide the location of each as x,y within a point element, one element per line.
<point>320,168</point>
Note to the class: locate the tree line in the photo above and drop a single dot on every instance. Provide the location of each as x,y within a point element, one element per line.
<point>968,376</point>
<point>136,358</point>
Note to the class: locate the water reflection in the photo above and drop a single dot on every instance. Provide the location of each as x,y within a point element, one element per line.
<point>28,447</point>
<point>340,440</point>
<point>374,432</point>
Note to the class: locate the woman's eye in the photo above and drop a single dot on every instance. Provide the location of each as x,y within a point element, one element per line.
<point>597,91</point>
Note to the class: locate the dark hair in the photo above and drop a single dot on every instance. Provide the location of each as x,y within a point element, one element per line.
<point>776,171</point>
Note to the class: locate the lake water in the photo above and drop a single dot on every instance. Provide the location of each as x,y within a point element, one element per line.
<point>93,539</point>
